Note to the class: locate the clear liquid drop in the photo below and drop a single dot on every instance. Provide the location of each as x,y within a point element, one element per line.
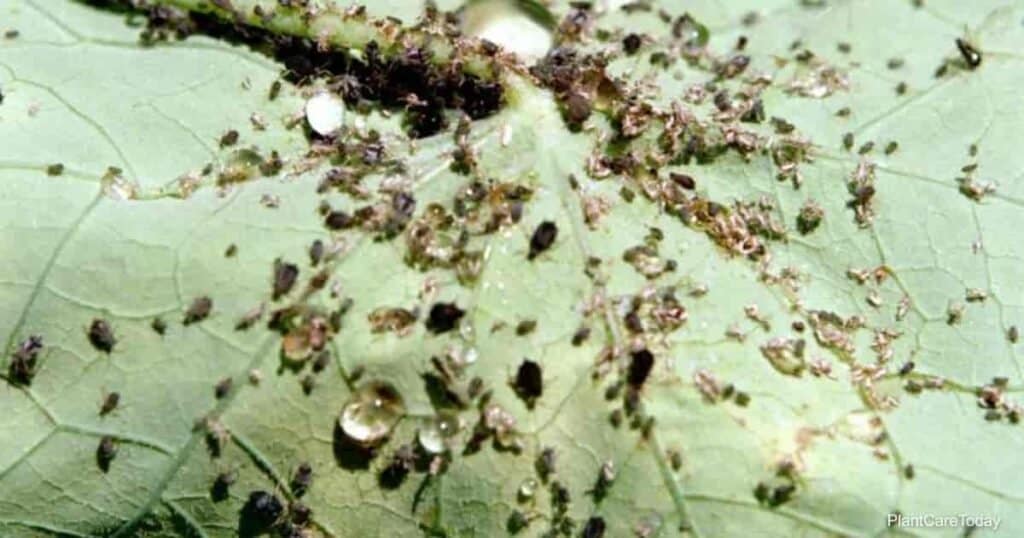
<point>372,413</point>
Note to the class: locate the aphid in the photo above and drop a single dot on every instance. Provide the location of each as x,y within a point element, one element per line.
<point>526,327</point>
<point>198,310</point>
<point>640,365</point>
<point>798,326</point>
<point>615,418</point>
<point>741,42</point>
<point>444,317</point>
<point>321,361</point>
<point>970,54</point>
<point>742,399</point>
<point>891,147</point>
<point>229,138</point>
<point>545,464</point>
<point>308,383</point>
<point>581,336</point>
<point>810,217</point>
<point>972,150</point>
<point>221,484</point>
<point>848,141</point>
<point>285,275</point>
<point>110,403</point>
<point>275,90</point>
<point>231,251</point>
<point>517,521</point>
<point>11,34</point>
<point>338,220</point>
<point>301,514</point>
<point>529,382</point>
<point>605,477</point>
<point>1013,334</point>
<point>55,169</point>
<point>594,528</point>
<point>843,112</point>
<point>675,459</point>
<point>631,43</point>
<point>907,368</point>
<point>263,510</point>
<point>901,88</point>
<point>866,147</point>
<point>250,318</point>
<point>316,252</point>
<point>255,376</point>
<point>683,180</point>
<point>908,472</point>
<point>302,479</point>
<point>894,63</point>
<point>101,335</point>
<point>222,388</point>
<point>543,237</point>
<point>106,452</point>
<point>844,47</point>
<point>22,367</point>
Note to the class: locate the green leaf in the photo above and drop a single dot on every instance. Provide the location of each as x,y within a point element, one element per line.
<point>829,327</point>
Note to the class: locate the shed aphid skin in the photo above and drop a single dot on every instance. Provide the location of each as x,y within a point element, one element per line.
<point>101,335</point>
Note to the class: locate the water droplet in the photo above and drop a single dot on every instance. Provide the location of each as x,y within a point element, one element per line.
<point>372,412</point>
<point>527,489</point>
<point>505,24</point>
<point>325,113</point>
<point>436,432</point>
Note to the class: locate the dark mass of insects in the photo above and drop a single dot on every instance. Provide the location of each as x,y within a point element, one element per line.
<point>101,335</point>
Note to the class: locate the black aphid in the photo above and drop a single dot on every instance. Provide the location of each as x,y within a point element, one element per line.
<point>302,479</point>
<point>55,169</point>
<point>262,511</point>
<point>222,388</point>
<point>580,336</point>
<point>101,335</point>
<point>970,54</point>
<point>640,365</point>
<point>221,485</point>
<point>231,251</point>
<point>110,403</point>
<point>907,368</point>
<point>577,110</point>
<point>106,452</point>
<point>301,514</point>
<point>308,383</point>
<point>22,367</point>
<point>444,317</point>
<point>594,528</point>
<point>338,220</point>
<point>631,43</point>
<point>229,138</point>
<point>285,275</point>
<point>543,237</point>
<point>683,180</point>
<point>198,310</point>
<point>316,252</point>
<point>529,382</point>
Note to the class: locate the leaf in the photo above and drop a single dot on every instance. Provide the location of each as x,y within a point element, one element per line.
<point>780,400</point>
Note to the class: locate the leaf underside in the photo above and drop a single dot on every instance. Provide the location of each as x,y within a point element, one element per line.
<point>781,401</point>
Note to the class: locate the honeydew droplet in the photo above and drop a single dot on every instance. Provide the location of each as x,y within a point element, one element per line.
<point>372,413</point>
<point>325,113</point>
<point>437,431</point>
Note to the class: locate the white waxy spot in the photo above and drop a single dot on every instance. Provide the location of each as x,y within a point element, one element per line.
<point>325,113</point>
